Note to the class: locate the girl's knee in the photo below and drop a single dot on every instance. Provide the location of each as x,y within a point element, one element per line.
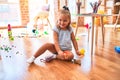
<point>69,57</point>
<point>50,47</point>
<point>48,44</point>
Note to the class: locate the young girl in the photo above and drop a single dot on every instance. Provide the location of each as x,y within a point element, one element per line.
<point>63,38</point>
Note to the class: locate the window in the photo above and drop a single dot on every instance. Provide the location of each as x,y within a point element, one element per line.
<point>9,12</point>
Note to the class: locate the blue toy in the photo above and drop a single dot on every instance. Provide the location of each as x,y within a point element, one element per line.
<point>117,49</point>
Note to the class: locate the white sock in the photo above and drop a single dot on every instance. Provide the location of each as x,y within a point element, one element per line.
<point>31,59</point>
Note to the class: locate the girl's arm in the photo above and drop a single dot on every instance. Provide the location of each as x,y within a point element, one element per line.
<point>56,42</point>
<point>75,43</point>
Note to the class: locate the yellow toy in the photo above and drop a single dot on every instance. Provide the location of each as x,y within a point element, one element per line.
<point>97,19</point>
<point>82,51</point>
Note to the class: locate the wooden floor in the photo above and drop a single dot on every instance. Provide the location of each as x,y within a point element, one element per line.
<point>104,64</point>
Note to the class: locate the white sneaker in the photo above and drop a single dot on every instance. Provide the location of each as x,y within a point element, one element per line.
<point>31,60</point>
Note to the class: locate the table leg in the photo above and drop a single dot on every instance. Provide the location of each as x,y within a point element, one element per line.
<point>92,36</point>
<point>76,26</point>
<point>49,23</point>
<point>96,37</point>
<point>102,26</point>
<point>117,20</point>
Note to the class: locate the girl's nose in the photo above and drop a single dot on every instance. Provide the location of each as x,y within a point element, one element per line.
<point>62,22</point>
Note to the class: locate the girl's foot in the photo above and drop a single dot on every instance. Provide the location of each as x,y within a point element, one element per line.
<point>50,57</point>
<point>76,61</point>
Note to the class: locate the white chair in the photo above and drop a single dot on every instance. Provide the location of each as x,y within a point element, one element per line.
<point>42,15</point>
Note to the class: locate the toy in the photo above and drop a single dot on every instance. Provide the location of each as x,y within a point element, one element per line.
<point>12,38</point>
<point>97,19</point>
<point>87,26</point>
<point>117,49</point>
<point>5,48</point>
<point>45,32</point>
<point>35,31</point>
<point>82,51</point>
<point>10,33</point>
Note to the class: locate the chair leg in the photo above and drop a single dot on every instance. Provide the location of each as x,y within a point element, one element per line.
<point>76,26</point>
<point>49,23</point>
<point>96,34</point>
<point>102,26</point>
<point>76,31</point>
<point>116,21</point>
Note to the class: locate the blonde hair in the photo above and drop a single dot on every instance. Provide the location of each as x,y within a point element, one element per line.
<point>66,13</point>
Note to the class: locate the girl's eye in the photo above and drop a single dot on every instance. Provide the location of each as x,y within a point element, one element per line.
<point>59,19</point>
<point>65,20</point>
<point>62,20</point>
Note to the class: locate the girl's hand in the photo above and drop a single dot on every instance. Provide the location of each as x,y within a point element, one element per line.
<point>78,53</point>
<point>64,54</point>
<point>61,53</point>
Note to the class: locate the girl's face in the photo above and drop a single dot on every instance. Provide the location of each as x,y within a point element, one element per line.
<point>63,21</point>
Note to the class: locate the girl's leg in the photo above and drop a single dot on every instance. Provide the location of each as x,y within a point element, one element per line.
<point>68,55</point>
<point>41,50</point>
<point>48,46</point>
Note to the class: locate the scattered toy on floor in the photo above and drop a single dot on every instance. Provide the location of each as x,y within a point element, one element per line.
<point>117,49</point>
<point>35,31</point>
<point>10,33</point>
<point>45,32</point>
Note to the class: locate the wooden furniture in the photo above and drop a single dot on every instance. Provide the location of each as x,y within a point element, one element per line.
<point>93,15</point>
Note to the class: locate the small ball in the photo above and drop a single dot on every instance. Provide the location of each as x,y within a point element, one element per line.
<point>117,49</point>
<point>82,51</point>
